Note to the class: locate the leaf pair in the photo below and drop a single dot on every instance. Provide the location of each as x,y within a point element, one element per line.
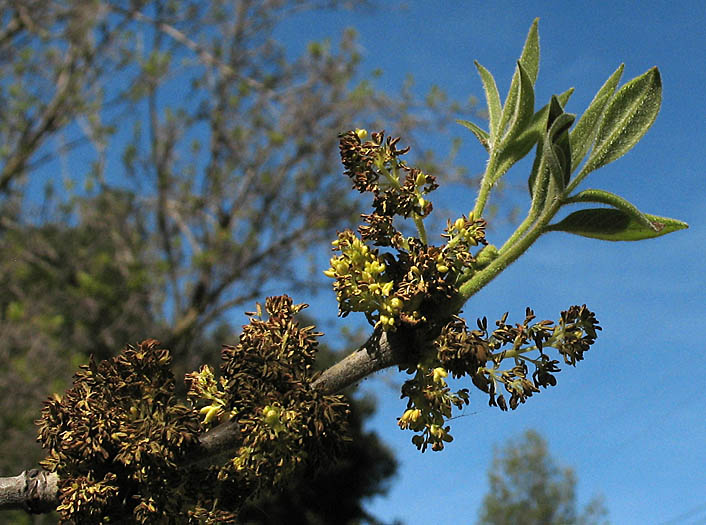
<point>609,128</point>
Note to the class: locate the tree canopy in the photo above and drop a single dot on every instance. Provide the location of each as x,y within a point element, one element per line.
<point>526,486</point>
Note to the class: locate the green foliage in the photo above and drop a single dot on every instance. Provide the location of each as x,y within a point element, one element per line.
<point>527,487</point>
<point>616,225</point>
<point>612,124</point>
<point>66,291</point>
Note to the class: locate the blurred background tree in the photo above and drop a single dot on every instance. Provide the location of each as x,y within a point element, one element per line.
<point>528,487</point>
<point>162,165</point>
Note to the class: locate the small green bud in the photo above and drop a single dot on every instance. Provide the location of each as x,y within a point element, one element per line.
<point>362,133</point>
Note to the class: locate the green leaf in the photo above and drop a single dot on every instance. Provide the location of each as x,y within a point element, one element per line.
<point>480,133</point>
<point>605,197</point>
<point>530,62</point>
<point>519,105</point>
<point>584,133</point>
<point>492,98</point>
<point>530,52</point>
<point>537,129</point>
<point>614,225</point>
<point>508,150</point>
<point>556,148</point>
<point>627,118</point>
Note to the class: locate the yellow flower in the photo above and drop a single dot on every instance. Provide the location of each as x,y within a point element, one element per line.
<point>439,375</point>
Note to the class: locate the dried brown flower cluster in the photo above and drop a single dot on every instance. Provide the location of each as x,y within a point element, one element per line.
<point>116,438</point>
<point>120,441</point>
<point>284,422</point>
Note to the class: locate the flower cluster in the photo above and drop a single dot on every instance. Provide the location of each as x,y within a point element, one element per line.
<point>429,406</point>
<point>283,422</point>
<point>461,352</point>
<point>375,166</point>
<point>404,282</point>
<point>361,284</point>
<point>120,441</point>
<point>571,336</point>
<point>407,280</point>
<point>116,437</point>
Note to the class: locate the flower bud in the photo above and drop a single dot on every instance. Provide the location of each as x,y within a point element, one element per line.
<point>362,133</point>
<point>271,416</point>
<point>341,267</point>
<point>211,413</point>
<point>387,287</point>
<point>439,375</point>
<point>436,431</point>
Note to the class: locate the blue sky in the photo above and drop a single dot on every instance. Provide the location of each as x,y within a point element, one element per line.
<point>630,418</point>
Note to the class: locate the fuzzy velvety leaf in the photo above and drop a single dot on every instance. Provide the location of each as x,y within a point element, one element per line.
<point>530,63</point>
<point>615,225</point>
<point>509,150</point>
<point>586,128</point>
<point>480,133</point>
<point>538,126</point>
<point>627,118</point>
<point>530,52</point>
<point>492,98</point>
<point>556,149</point>
<point>541,122</point>
<point>605,197</point>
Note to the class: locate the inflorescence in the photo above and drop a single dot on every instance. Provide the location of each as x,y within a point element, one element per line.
<point>120,441</point>
<point>403,282</point>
